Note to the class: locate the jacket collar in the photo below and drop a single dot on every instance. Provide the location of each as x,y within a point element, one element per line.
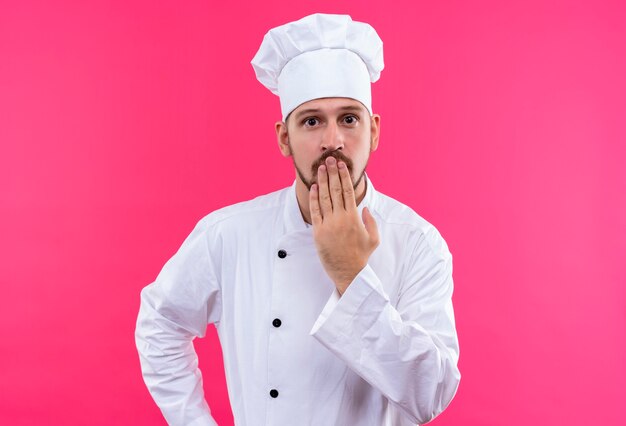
<point>293,217</point>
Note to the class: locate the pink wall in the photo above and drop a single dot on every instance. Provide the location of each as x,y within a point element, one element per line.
<point>123,123</point>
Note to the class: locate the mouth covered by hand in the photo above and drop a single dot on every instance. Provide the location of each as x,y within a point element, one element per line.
<point>337,154</point>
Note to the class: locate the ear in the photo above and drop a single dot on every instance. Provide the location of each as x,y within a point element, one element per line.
<point>375,131</point>
<point>282,138</point>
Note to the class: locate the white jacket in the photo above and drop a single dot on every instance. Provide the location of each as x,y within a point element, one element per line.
<point>295,353</point>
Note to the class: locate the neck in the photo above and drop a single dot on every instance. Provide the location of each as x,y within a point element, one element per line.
<point>302,194</point>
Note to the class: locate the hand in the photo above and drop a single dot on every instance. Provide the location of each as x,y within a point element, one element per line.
<point>344,242</point>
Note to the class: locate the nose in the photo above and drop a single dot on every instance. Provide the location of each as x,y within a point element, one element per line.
<point>332,138</point>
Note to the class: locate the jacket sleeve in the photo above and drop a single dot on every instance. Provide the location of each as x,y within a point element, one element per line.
<point>409,351</point>
<point>175,309</point>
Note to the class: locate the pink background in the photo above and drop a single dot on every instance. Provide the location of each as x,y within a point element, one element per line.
<point>503,123</point>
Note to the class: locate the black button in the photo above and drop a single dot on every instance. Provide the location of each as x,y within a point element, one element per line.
<point>276,322</point>
<point>274,393</point>
<point>282,254</point>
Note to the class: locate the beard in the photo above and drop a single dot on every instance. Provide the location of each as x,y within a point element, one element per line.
<point>339,156</point>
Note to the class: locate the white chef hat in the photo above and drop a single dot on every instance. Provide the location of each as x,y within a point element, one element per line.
<point>320,56</point>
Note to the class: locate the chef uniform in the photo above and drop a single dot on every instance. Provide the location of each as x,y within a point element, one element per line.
<point>296,352</point>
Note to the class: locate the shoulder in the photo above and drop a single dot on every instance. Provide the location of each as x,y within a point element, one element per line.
<point>249,212</point>
<point>396,215</point>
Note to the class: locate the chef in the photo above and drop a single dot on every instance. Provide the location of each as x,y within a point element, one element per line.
<point>332,301</point>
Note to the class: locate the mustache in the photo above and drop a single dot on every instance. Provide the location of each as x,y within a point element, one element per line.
<point>339,156</point>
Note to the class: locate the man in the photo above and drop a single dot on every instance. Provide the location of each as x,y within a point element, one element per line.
<point>332,301</point>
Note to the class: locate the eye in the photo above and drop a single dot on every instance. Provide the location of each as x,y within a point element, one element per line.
<point>350,119</point>
<point>310,121</point>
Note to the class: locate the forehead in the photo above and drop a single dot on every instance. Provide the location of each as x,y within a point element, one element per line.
<point>329,106</point>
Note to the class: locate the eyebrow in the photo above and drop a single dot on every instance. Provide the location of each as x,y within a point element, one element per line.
<point>352,108</point>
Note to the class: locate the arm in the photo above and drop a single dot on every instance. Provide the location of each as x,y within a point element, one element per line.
<point>408,352</point>
<point>174,310</point>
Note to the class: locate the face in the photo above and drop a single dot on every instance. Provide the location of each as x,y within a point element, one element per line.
<point>338,127</point>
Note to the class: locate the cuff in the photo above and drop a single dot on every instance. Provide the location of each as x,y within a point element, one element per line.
<point>341,309</point>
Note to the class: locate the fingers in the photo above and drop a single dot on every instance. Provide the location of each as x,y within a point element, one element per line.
<point>323,193</point>
<point>334,183</point>
<point>349,200</point>
<point>314,206</point>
